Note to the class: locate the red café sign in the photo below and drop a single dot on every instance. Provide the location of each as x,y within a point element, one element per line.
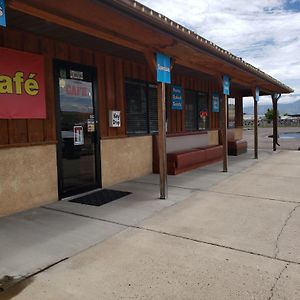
<point>22,85</point>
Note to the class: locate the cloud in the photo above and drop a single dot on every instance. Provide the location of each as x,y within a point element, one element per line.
<point>265,33</point>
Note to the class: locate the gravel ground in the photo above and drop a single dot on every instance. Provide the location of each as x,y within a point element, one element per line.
<point>264,142</point>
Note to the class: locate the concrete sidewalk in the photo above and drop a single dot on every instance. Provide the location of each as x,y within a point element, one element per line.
<point>219,236</point>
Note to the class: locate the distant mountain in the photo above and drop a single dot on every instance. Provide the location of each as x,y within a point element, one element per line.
<point>289,108</point>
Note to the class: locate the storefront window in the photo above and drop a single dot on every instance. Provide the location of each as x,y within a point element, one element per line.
<point>231,112</point>
<point>141,108</point>
<point>202,111</point>
<point>196,111</point>
<point>190,111</point>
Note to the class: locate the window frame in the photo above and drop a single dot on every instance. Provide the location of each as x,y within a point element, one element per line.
<point>148,86</point>
<point>197,95</point>
<point>231,122</point>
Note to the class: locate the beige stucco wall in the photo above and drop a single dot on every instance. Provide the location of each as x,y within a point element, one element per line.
<point>125,158</point>
<point>238,133</point>
<point>235,134</point>
<point>28,177</point>
<point>213,137</point>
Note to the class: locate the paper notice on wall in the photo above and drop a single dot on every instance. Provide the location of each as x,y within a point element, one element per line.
<point>91,125</point>
<point>78,135</point>
<point>114,118</point>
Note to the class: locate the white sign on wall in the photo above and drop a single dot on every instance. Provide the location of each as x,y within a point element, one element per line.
<point>76,74</point>
<point>114,118</point>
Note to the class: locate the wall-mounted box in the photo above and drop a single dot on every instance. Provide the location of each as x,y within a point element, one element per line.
<point>114,118</point>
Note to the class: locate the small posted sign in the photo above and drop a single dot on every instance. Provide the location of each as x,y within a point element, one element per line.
<point>91,125</point>
<point>257,94</point>
<point>215,102</point>
<point>226,85</point>
<point>176,97</point>
<point>78,136</point>
<point>2,13</point>
<point>114,118</point>
<point>76,75</point>
<point>163,68</point>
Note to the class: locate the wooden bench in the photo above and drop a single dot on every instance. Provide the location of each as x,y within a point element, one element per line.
<point>186,152</point>
<point>237,147</point>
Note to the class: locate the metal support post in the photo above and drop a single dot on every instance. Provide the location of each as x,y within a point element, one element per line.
<point>275,99</point>
<point>224,134</point>
<point>255,130</point>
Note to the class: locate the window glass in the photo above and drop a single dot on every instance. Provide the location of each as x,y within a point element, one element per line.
<point>141,108</point>
<point>153,114</point>
<point>203,122</point>
<point>191,110</point>
<point>231,112</point>
<point>196,111</point>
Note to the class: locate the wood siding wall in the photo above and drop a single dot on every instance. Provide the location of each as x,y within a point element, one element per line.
<point>111,73</point>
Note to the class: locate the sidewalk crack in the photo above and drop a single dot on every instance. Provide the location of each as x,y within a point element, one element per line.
<point>276,281</point>
<point>282,229</point>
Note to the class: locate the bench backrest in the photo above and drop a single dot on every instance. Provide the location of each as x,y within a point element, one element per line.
<point>186,142</point>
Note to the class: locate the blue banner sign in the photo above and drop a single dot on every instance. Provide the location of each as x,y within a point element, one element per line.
<point>176,97</point>
<point>2,13</point>
<point>226,85</point>
<point>215,102</point>
<point>163,67</point>
<point>257,94</point>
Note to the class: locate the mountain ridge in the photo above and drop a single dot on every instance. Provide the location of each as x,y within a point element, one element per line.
<point>289,108</point>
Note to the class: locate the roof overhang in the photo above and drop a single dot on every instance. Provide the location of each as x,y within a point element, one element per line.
<point>129,24</point>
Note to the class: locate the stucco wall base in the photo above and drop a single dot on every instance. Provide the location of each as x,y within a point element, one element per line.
<point>125,159</point>
<point>239,132</point>
<point>28,178</point>
<point>213,137</point>
<point>235,134</point>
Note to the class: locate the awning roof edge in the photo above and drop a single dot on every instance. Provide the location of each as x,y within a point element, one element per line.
<point>145,13</point>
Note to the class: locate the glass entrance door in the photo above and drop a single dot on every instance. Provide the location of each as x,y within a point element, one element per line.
<point>78,160</point>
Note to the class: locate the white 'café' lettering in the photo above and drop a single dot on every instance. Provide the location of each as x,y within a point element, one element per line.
<point>19,85</point>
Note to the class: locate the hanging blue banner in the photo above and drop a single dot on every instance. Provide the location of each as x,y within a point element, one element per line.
<point>215,102</point>
<point>257,94</point>
<point>176,98</point>
<point>226,85</point>
<point>2,13</point>
<point>163,67</point>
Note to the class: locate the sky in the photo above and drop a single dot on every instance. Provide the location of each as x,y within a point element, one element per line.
<point>265,33</point>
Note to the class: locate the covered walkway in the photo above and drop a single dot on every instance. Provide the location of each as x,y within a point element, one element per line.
<point>100,94</point>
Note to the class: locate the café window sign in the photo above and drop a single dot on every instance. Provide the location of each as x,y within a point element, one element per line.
<point>22,85</point>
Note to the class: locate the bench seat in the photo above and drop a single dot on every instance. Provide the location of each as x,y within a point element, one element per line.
<point>183,161</point>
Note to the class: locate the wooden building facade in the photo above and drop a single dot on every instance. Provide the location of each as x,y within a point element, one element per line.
<point>112,45</point>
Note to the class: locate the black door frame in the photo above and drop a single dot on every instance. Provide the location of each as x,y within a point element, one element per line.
<point>93,72</point>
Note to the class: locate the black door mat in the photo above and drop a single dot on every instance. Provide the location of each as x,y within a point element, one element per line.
<point>101,197</point>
